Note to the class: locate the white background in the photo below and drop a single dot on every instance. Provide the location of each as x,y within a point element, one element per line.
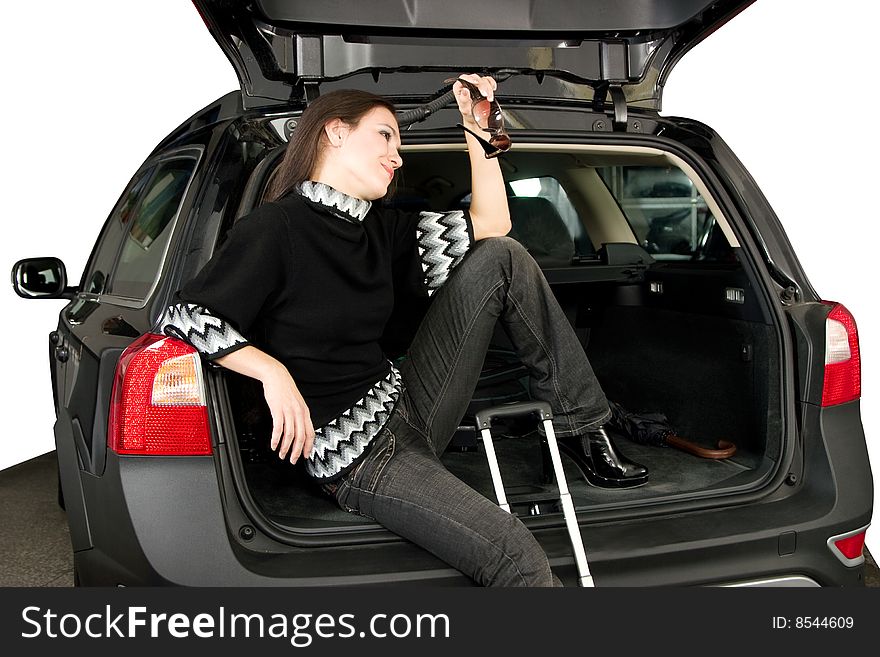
<point>90,88</point>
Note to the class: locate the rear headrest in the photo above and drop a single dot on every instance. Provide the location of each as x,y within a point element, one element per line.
<point>538,226</point>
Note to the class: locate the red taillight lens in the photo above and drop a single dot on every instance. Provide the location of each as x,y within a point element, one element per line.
<point>158,402</point>
<point>849,547</point>
<point>843,372</point>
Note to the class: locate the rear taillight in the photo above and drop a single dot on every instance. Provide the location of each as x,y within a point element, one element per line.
<point>843,372</point>
<point>849,547</point>
<point>158,401</point>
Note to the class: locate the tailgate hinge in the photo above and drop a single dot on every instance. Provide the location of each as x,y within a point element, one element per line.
<point>308,60</point>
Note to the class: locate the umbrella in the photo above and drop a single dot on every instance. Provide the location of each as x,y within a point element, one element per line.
<point>655,429</point>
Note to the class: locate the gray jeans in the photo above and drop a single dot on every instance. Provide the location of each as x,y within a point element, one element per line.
<point>403,485</point>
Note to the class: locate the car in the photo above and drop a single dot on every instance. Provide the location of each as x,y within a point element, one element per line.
<point>669,262</point>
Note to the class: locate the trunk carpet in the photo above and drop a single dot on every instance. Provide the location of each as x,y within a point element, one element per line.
<point>285,494</point>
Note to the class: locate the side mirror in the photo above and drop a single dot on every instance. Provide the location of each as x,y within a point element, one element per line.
<point>41,278</point>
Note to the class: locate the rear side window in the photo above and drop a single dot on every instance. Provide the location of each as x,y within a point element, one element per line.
<point>148,229</point>
<point>666,212</point>
<point>130,251</point>
<point>98,272</point>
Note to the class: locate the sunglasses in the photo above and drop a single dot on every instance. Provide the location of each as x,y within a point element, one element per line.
<point>487,115</point>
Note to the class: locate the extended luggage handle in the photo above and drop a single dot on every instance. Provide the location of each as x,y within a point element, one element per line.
<point>542,409</point>
<point>513,409</point>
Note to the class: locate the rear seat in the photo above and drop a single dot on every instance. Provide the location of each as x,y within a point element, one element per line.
<point>538,226</point>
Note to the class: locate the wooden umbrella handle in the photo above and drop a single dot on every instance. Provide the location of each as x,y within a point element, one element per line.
<point>725,449</point>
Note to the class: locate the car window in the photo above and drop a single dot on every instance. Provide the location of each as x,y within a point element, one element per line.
<point>104,256</point>
<point>666,212</point>
<point>149,225</point>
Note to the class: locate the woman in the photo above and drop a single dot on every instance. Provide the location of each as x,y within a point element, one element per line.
<point>310,277</point>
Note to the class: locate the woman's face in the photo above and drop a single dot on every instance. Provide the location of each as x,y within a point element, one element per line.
<point>361,161</point>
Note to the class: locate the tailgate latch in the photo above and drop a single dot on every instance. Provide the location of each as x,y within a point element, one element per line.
<point>618,99</point>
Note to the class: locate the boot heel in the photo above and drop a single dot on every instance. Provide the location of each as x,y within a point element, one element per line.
<point>582,462</point>
<point>580,450</point>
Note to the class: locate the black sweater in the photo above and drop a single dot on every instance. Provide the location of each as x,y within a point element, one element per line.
<point>312,280</point>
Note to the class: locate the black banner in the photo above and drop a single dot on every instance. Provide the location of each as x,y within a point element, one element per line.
<point>432,621</point>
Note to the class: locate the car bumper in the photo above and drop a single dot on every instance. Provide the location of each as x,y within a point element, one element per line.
<point>161,520</point>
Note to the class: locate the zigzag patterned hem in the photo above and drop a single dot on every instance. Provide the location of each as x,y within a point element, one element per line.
<point>331,479</point>
<point>342,443</point>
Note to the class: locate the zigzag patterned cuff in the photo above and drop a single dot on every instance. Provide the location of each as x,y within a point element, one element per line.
<point>211,336</point>
<point>443,240</point>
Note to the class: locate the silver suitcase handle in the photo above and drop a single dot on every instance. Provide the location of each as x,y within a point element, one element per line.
<point>542,409</point>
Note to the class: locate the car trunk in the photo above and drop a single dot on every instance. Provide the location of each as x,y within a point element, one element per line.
<point>644,262</point>
<point>685,334</point>
<point>687,366</point>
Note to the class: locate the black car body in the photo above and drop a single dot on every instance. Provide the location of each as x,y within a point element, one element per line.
<point>669,262</point>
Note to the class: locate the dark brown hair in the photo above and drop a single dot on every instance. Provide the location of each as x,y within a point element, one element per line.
<point>304,151</point>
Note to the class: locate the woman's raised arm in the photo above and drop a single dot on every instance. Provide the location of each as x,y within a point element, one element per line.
<point>489,212</point>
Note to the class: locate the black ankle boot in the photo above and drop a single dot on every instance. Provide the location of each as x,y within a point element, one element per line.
<point>601,462</point>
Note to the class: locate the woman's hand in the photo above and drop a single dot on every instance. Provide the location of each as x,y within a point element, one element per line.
<point>488,210</point>
<point>487,87</point>
<point>292,430</point>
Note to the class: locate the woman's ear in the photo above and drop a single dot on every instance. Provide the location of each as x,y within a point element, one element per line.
<point>335,131</point>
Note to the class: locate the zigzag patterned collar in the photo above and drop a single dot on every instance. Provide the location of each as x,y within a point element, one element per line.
<point>342,205</point>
